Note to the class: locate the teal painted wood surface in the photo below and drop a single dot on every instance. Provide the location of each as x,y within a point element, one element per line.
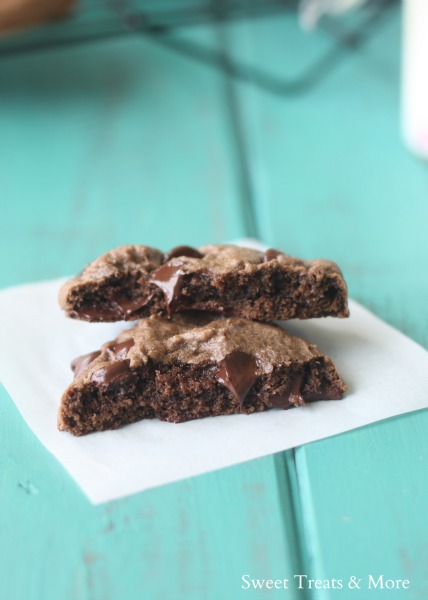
<point>127,141</point>
<point>123,141</point>
<point>333,179</point>
<point>107,132</point>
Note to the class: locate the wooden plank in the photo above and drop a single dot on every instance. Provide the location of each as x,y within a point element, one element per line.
<point>364,495</point>
<point>332,178</point>
<point>102,145</point>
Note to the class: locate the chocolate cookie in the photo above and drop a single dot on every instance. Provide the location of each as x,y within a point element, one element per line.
<point>190,367</point>
<point>132,282</point>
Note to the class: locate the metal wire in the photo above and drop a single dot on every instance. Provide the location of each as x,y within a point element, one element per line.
<point>162,21</point>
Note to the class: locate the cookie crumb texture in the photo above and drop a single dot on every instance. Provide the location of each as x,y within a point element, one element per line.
<point>133,282</point>
<point>191,367</point>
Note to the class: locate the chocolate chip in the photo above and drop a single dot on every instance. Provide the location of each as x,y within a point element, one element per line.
<point>271,254</point>
<point>280,400</point>
<point>121,349</point>
<point>292,396</point>
<point>111,373</point>
<point>89,313</point>
<point>81,362</point>
<point>129,307</point>
<point>237,371</point>
<point>182,251</point>
<point>296,397</point>
<point>169,278</point>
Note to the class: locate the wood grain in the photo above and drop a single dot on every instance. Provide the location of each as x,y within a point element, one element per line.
<point>334,179</point>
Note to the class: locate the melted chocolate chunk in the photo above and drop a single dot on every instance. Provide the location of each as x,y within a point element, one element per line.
<point>81,362</point>
<point>101,314</point>
<point>280,401</point>
<point>296,397</point>
<point>111,373</point>
<point>129,307</point>
<point>271,254</point>
<point>121,309</point>
<point>291,397</point>
<point>182,251</point>
<point>121,350</point>
<point>237,371</point>
<point>169,279</point>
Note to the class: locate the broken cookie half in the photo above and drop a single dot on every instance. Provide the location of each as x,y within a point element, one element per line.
<point>132,282</point>
<point>194,366</point>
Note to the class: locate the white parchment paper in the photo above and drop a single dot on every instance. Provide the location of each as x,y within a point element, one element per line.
<point>386,373</point>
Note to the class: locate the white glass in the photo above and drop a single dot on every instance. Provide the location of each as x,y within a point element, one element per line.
<point>415,76</point>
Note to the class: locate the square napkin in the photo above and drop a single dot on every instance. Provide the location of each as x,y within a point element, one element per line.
<point>385,372</point>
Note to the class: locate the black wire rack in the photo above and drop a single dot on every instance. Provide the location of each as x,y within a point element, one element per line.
<point>164,21</point>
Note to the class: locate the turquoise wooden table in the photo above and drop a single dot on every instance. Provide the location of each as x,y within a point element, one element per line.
<point>130,140</point>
